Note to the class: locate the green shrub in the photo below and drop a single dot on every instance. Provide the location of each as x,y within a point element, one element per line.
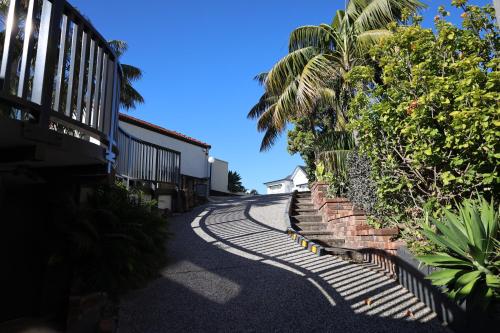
<point>118,241</point>
<point>429,121</point>
<point>361,190</point>
<point>470,260</point>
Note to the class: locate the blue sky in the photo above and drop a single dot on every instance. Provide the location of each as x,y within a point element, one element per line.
<point>199,58</point>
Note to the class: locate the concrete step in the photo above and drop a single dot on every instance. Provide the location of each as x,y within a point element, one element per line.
<point>308,209</point>
<point>308,218</point>
<point>326,240</point>
<point>316,232</point>
<point>303,195</point>
<point>305,211</point>
<point>309,226</point>
<point>347,254</point>
<point>304,205</point>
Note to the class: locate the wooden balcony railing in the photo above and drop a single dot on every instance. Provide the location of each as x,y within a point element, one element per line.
<point>140,160</point>
<point>57,71</point>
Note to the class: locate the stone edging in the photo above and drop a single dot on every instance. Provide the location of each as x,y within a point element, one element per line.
<point>306,243</point>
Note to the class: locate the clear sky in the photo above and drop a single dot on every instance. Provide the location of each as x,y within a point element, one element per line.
<point>199,58</point>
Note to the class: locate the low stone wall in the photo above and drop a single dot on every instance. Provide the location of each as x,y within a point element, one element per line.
<point>349,223</point>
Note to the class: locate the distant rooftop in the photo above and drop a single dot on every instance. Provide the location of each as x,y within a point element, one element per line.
<point>155,128</point>
<point>289,177</point>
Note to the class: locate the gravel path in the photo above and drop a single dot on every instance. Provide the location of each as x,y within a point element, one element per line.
<point>232,269</point>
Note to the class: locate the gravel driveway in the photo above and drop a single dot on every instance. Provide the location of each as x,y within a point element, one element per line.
<point>232,269</point>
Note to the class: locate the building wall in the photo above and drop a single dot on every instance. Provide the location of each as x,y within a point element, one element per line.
<point>219,181</point>
<point>286,187</point>
<point>299,182</point>
<point>299,179</point>
<point>194,159</point>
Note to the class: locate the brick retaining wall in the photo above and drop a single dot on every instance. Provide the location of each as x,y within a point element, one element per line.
<point>349,223</point>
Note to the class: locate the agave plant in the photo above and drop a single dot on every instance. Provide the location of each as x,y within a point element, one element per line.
<point>470,263</point>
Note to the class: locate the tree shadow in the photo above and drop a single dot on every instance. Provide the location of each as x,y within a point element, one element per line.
<point>231,272</point>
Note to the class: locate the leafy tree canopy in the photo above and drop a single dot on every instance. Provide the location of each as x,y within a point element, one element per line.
<point>430,125</point>
<point>234,182</point>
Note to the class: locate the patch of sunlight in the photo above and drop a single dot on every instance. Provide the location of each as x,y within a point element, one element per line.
<point>238,252</point>
<point>283,266</point>
<point>204,283</point>
<point>202,234</point>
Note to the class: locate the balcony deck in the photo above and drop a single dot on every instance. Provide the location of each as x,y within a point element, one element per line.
<point>59,88</point>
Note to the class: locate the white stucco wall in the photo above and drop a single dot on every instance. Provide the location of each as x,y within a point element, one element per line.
<point>300,178</point>
<point>219,181</point>
<point>299,182</point>
<point>194,159</point>
<point>286,187</point>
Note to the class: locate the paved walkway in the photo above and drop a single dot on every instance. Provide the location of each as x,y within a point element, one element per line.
<point>232,269</point>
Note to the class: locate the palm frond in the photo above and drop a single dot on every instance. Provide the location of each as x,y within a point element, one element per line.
<point>129,97</point>
<point>338,18</point>
<point>374,14</point>
<point>118,46</point>
<point>340,140</point>
<point>262,105</point>
<point>284,106</point>
<point>310,36</point>
<point>333,150</point>
<point>261,78</point>
<point>335,161</point>
<point>288,67</point>
<point>313,80</point>
<point>131,73</point>
<point>266,119</point>
<point>269,139</point>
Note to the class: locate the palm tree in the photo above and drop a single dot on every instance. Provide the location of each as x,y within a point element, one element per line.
<point>129,96</point>
<point>313,74</point>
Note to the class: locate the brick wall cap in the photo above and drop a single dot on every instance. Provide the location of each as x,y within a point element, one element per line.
<point>334,200</point>
<point>316,185</point>
<point>384,232</point>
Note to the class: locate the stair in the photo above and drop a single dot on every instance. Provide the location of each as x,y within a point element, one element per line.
<point>326,240</point>
<point>303,200</point>
<point>309,223</point>
<point>307,218</point>
<point>304,206</point>
<point>305,211</point>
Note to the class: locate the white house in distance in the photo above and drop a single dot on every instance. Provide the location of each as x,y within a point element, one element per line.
<point>297,181</point>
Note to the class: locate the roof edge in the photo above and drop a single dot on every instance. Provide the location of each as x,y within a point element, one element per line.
<point>158,129</point>
<point>278,181</point>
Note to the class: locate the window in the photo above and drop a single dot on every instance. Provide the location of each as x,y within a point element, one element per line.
<point>275,187</point>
